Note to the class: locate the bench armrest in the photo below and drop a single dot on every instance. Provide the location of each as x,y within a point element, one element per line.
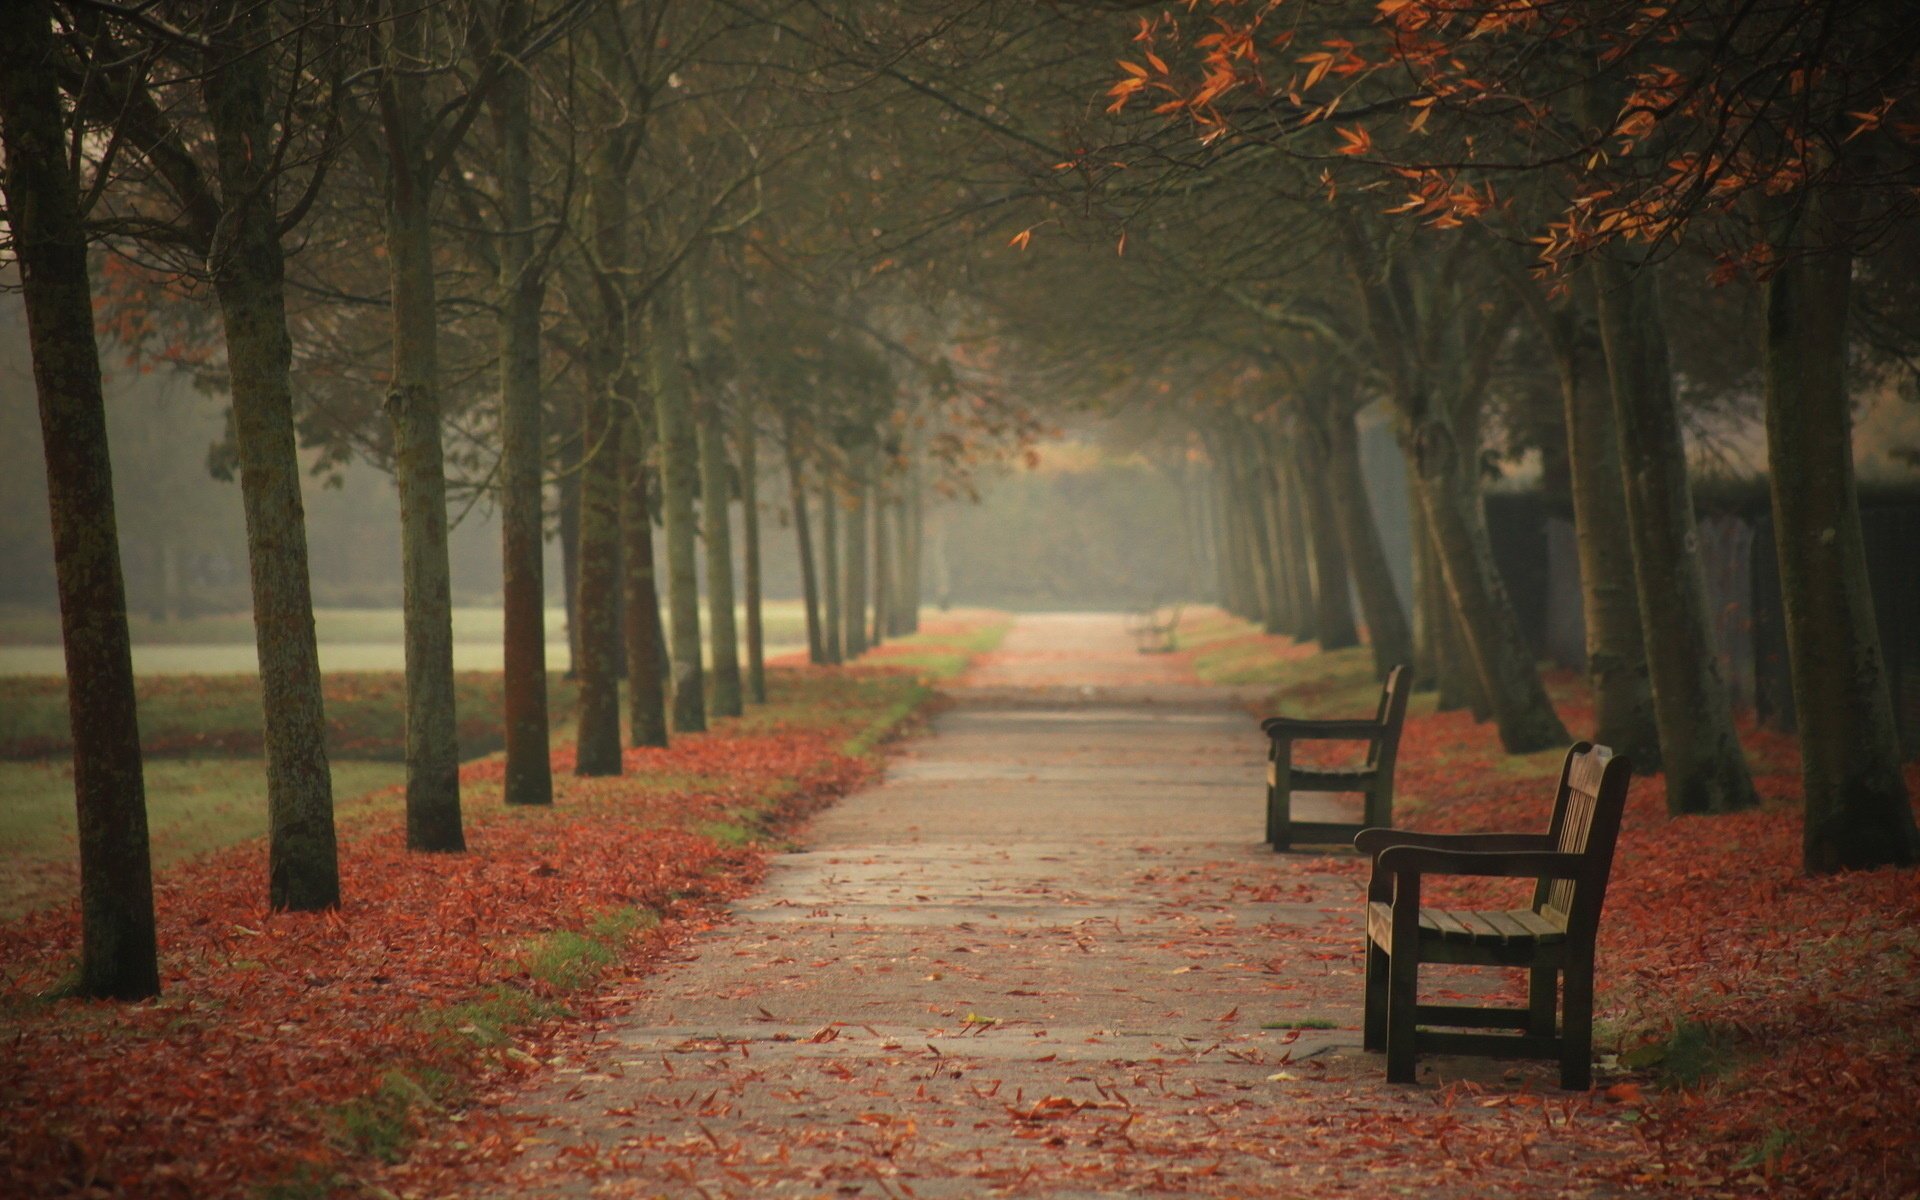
<point>1524,864</point>
<point>1372,841</point>
<point>1297,729</point>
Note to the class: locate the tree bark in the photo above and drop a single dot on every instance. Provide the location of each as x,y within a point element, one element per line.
<point>1706,770</point>
<point>248,268</point>
<point>1332,599</point>
<point>716,488</point>
<point>803,543</point>
<point>597,747</point>
<point>646,699</point>
<point>1857,809</point>
<point>118,949</point>
<point>853,595</point>
<point>1624,716</point>
<point>572,417</point>
<point>835,624</point>
<point>716,495</point>
<point>419,463</point>
<point>882,557</point>
<point>750,555</point>
<point>679,475</point>
<point>522,282</point>
<point>1296,548</point>
<point>1387,628</point>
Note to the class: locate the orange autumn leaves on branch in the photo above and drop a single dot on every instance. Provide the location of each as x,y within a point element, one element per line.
<point>1712,109</point>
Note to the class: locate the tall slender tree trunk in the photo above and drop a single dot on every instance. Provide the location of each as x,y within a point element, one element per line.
<point>1267,482</point>
<point>572,418</point>
<point>1858,814</point>
<point>853,596</point>
<point>750,554</point>
<point>249,277</point>
<point>803,543</point>
<point>835,624</point>
<point>679,475</point>
<point>913,539</point>
<point>1296,548</point>
<point>1429,597</point>
<point>1387,628</point>
<point>529,769</point>
<point>597,750</point>
<point>419,464</point>
<point>1508,679</point>
<point>1624,716</point>
<point>715,495</point>
<point>118,949</point>
<point>882,570</point>
<point>1251,492</point>
<point>1332,599</point>
<point>1706,770</point>
<point>646,699</point>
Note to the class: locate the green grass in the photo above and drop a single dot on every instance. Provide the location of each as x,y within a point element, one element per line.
<point>206,715</point>
<point>193,806</point>
<point>1301,1023</point>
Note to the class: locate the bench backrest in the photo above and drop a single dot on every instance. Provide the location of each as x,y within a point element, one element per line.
<point>1586,821</point>
<point>1390,716</point>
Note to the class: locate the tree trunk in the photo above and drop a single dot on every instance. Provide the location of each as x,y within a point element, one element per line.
<point>716,489</point>
<point>118,951</point>
<point>1616,651</point>
<point>914,539</point>
<point>679,474</point>
<point>882,558</point>
<point>529,769</point>
<point>572,416</point>
<point>597,750</point>
<point>1332,599</point>
<point>1387,626</point>
<point>1267,483</point>
<point>249,276</point>
<point>716,495</point>
<point>646,699</point>
<point>1858,814</point>
<point>419,464</point>
<point>1706,771</point>
<point>750,554</point>
<point>803,544</point>
<point>1296,549</point>
<point>853,595</point>
<point>1429,599</point>
<point>1503,665</point>
<point>835,624</point>
<point>1251,490</point>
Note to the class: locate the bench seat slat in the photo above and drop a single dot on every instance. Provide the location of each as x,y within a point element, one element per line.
<point>1510,927</point>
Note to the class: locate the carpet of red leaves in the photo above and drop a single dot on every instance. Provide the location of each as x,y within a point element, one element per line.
<point>270,1023</point>
<point>1806,990</point>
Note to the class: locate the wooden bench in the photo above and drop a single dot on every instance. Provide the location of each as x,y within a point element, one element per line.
<point>1153,627</point>
<point>1553,938</point>
<point>1373,777</point>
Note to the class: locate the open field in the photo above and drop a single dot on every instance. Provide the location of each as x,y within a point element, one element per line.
<point>351,639</point>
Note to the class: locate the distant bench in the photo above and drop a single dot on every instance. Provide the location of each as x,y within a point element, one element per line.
<point>1153,627</point>
<point>1373,777</point>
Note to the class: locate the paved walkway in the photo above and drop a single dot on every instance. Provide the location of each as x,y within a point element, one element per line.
<point>1048,956</point>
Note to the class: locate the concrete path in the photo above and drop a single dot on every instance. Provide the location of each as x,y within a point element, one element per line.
<point>1047,956</point>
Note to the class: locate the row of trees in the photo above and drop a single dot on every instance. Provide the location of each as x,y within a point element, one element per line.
<point>502,248</point>
<point>1503,192</point>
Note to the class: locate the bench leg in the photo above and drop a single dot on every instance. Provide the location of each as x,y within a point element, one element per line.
<point>1373,1035</point>
<point>1279,799</point>
<point>1403,990</point>
<point>1576,1032</point>
<point>1542,986</point>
